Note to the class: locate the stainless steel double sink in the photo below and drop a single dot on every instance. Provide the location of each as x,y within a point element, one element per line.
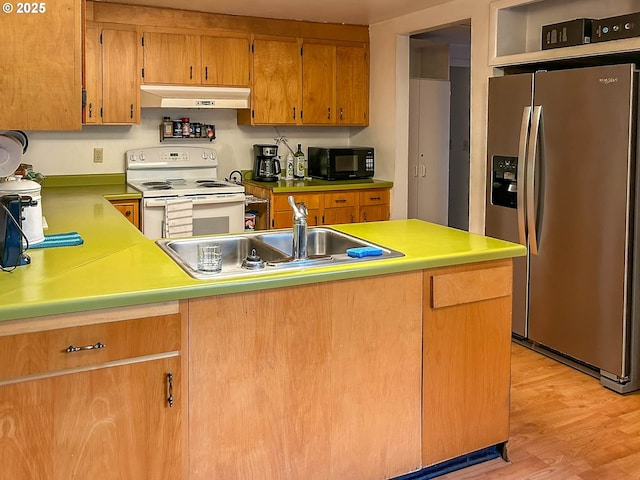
<point>325,246</point>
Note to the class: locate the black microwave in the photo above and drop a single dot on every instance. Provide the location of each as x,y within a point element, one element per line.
<point>340,163</point>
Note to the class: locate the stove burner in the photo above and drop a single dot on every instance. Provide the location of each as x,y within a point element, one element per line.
<point>162,186</point>
<point>209,184</point>
<point>156,184</point>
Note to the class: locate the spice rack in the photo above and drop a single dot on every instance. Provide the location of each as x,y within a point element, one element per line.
<point>183,129</point>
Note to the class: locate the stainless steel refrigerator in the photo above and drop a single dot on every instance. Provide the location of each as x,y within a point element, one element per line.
<point>561,179</point>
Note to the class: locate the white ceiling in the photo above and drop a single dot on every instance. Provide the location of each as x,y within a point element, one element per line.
<point>358,12</point>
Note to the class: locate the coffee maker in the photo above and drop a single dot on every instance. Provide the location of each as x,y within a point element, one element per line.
<point>266,163</point>
<point>11,233</point>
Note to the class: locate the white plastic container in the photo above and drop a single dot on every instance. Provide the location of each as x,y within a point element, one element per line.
<point>290,167</point>
<point>32,223</point>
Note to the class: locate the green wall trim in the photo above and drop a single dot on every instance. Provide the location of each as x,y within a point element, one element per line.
<point>84,180</point>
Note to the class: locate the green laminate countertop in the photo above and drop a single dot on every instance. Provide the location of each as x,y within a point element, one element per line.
<point>316,185</point>
<point>118,266</point>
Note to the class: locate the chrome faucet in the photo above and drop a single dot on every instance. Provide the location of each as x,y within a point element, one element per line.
<point>300,212</point>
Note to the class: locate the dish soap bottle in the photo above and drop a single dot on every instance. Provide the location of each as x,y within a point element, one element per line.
<point>300,168</point>
<point>290,167</point>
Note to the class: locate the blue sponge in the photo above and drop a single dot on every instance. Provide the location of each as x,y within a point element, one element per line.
<point>360,252</point>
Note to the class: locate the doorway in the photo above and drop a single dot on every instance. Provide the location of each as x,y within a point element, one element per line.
<point>439,125</point>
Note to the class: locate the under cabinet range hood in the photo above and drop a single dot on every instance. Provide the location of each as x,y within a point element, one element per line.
<point>176,96</point>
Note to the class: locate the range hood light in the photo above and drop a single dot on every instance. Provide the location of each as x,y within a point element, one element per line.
<point>173,96</point>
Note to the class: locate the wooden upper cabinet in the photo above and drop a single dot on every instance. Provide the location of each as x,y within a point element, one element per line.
<point>335,83</point>
<point>276,81</point>
<point>111,75</point>
<point>226,60</point>
<point>171,58</point>
<point>41,59</point>
<point>318,83</point>
<point>352,84</point>
<point>92,78</point>
<point>120,80</point>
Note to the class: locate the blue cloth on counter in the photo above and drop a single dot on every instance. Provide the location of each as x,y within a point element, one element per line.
<point>59,240</point>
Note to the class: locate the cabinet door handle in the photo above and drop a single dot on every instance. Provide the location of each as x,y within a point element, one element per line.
<point>353,217</point>
<point>206,73</point>
<point>423,168</point>
<point>90,110</point>
<point>131,111</point>
<point>364,215</point>
<point>294,113</point>
<point>191,72</point>
<point>340,113</point>
<point>328,113</point>
<point>71,348</point>
<point>170,389</point>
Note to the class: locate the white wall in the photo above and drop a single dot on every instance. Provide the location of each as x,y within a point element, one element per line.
<point>390,97</point>
<point>71,153</point>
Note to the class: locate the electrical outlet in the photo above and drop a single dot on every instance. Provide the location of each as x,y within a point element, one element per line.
<point>98,155</point>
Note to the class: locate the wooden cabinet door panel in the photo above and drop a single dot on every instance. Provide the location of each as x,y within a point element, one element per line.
<point>171,58</point>
<point>117,423</point>
<point>276,82</point>
<point>27,430</point>
<point>467,348</point>
<point>130,209</point>
<point>376,366</point>
<point>318,83</point>
<point>352,85</point>
<point>41,67</point>
<point>333,216</point>
<point>285,219</point>
<point>225,61</point>
<point>120,84</point>
<point>374,213</point>
<point>92,74</point>
<point>110,423</point>
<point>258,401</point>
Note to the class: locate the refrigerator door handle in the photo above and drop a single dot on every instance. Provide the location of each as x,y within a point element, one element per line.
<point>531,175</point>
<point>521,174</point>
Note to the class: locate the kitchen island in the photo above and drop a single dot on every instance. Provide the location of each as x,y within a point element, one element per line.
<point>117,364</point>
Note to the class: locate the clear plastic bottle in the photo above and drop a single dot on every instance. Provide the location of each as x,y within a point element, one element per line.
<point>290,167</point>
<point>300,170</point>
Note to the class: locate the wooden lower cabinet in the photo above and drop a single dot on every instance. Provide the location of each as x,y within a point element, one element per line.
<point>329,207</point>
<point>467,352</point>
<point>106,420</point>
<point>130,209</point>
<point>321,381</point>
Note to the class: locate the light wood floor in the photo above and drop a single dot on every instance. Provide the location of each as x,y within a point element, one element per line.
<point>564,426</point>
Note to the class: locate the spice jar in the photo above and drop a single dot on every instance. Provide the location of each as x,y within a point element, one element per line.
<point>186,127</point>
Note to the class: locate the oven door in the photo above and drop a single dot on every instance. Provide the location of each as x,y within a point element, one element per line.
<point>219,213</point>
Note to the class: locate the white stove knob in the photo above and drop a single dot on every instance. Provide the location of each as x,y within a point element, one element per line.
<point>204,155</point>
<point>213,155</point>
<point>142,157</point>
<point>132,157</point>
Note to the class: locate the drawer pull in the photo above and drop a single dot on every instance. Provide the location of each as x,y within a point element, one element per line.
<point>71,348</point>
<point>375,198</point>
<point>170,388</point>
<point>341,200</point>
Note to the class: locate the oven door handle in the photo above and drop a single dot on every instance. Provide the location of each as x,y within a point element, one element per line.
<point>199,200</point>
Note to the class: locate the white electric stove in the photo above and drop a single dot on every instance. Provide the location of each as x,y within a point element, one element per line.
<point>183,182</point>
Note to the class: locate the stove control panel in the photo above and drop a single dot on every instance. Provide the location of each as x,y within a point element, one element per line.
<point>171,157</point>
